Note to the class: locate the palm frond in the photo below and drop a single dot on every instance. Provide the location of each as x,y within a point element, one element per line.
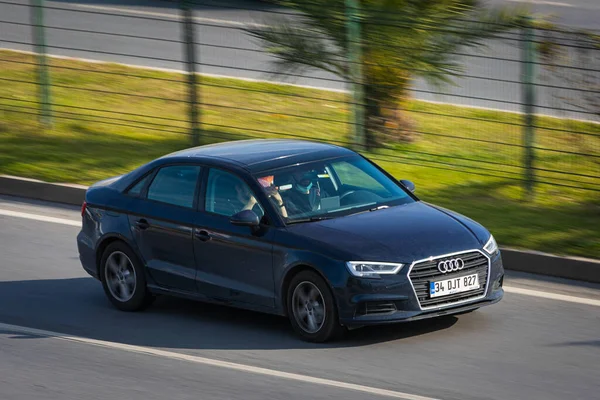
<point>298,48</point>
<point>400,38</point>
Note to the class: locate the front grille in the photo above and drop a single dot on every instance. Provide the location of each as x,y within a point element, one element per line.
<point>424,272</point>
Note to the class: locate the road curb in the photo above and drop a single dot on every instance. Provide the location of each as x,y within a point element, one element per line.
<point>534,262</point>
<point>577,268</point>
<point>40,190</point>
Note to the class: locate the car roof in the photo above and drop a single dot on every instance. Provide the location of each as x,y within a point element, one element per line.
<point>263,154</point>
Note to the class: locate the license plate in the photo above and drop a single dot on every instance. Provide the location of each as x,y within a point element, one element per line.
<point>453,285</point>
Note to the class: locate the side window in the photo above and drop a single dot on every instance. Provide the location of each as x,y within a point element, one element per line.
<point>136,189</point>
<point>175,185</point>
<point>354,176</point>
<point>226,194</point>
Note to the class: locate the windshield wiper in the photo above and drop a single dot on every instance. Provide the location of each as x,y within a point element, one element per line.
<point>310,219</point>
<point>378,208</point>
<point>369,210</point>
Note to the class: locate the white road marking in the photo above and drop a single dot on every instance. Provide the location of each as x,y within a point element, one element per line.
<point>180,71</point>
<point>37,217</point>
<point>508,289</point>
<point>214,363</point>
<point>223,22</point>
<point>542,3</point>
<point>553,296</point>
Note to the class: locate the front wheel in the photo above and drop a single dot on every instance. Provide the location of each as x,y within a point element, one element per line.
<point>123,278</point>
<point>311,308</point>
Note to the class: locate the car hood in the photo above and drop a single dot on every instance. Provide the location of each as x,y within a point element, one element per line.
<point>398,234</point>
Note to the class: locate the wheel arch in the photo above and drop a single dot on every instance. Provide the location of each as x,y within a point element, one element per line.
<point>287,279</point>
<point>105,242</point>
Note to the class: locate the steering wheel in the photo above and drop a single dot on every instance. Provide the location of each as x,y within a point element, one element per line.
<point>346,194</point>
<point>343,196</point>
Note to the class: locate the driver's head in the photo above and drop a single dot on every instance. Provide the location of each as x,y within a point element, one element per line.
<point>303,181</point>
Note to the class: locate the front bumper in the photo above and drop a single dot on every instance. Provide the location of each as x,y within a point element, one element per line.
<point>407,316</point>
<point>393,299</point>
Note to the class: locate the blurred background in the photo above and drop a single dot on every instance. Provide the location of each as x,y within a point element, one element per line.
<point>492,109</point>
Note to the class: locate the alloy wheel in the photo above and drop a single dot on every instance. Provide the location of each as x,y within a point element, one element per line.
<point>120,276</point>
<point>308,307</point>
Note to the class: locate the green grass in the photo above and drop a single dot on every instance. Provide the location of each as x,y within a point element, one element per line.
<point>84,145</point>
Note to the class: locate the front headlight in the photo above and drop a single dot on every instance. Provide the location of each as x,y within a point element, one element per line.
<point>491,247</point>
<point>365,269</point>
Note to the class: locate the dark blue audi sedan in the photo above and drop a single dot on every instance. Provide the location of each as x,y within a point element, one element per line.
<point>311,231</point>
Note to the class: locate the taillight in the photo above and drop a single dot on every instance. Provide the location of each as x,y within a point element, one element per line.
<point>83,207</point>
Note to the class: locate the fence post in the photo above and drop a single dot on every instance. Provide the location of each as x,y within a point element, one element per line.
<point>190,59</point>
<point>43,77</point>
<point>528,92</point>
<point>355,60</point>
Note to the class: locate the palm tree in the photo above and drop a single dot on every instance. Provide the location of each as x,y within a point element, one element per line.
<point>400,40</point>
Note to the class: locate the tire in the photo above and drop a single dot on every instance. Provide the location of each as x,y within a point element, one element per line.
<point>323,313</point>
<point>123,278</point>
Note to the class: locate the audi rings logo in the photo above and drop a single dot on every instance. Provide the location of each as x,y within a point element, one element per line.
<point>455,264</point>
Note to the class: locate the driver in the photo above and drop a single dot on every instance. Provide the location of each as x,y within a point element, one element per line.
<point>305,195</point>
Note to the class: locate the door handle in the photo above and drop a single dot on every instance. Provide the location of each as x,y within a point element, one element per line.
<point>142,224</point>
<point>203,235</point>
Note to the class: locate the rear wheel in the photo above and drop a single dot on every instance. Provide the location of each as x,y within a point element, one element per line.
<point>311,308</point>
<point>123,278</point>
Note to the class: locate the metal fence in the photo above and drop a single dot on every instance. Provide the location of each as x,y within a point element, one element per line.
<point>526,107</point>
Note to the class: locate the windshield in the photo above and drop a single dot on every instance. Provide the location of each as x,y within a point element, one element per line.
<point>329,189</point>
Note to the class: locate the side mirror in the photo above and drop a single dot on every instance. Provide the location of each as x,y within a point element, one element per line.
<point>408,184</point>
<point>245,218</point>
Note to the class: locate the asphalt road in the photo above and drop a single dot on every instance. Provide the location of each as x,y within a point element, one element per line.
<point>525,347</point>
<point>220,23</point>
